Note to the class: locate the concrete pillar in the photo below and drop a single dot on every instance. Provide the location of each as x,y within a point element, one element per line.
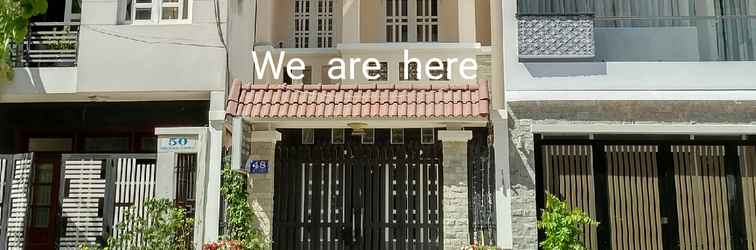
<point>213,169</point>
<point>350,31</point>
<point>261,185</point>
<point>455,200</point>
<point>466,21</point>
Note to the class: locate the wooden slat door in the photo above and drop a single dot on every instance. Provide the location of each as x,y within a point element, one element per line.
<point>568,174</point>
<point>633,192</point>
<point>16,219</point>
<point>702,201</point>
<point>748,182</point>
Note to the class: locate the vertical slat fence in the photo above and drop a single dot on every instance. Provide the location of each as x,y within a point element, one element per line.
<point>568,174</point>
<point>702,195</point>
<point>748,181</point>
<point>19,200</point>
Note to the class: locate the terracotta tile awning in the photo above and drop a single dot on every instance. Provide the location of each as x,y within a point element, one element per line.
<point>359,100</point>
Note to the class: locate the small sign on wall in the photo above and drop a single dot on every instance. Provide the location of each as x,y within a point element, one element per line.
<point>177,143</point>
<point>257,166</point>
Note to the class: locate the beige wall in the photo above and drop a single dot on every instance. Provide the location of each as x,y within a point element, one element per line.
<point>274,21</point>
<point>281,29</point>
<point>483,22</point>
<point>371,21</point>
<point>448,25</point>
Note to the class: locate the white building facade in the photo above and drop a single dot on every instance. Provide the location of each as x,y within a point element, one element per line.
<point>639,113</point>
<point>113,102</point>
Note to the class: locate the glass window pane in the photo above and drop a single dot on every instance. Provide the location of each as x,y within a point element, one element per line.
<point>148,144</point>
<point>44,173</point>
<point>308,136</point>
<point>106,144</point>
<point>75,7</point>
<point>144,1</point>
<point>42,195</point>
<point>337,136</point>
<point>143,14</point>
<point>41,216</point>
<point>170,13</point>
<point>397,136</point>
<point>185,14</point>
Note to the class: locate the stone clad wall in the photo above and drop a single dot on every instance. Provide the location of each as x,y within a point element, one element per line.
<point>454,200</point>
<point>261,187</point>
<point>522,176</point>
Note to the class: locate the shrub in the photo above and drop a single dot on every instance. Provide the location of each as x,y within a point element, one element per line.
<point>562,225</point>
<point>164,226</point>
<point>242,225</point>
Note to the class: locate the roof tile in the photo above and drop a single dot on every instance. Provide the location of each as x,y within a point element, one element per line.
<point>359,100</point>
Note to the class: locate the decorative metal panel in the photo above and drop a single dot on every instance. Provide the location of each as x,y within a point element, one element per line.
<point>98,190</point>
<point>6,167</point>
<point>19,201</point>
<point>82,203</point>
<point>556,36</point>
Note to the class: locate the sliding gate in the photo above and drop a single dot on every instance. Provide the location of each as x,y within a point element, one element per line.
<point>655,195</point>
<point>359,196</point>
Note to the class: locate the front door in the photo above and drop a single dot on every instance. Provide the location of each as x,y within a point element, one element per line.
<point>44,202</point>
<point>357,196</point>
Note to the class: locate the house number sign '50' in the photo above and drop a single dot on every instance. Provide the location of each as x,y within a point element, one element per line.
<point>177,143</point>
<point>180,141</point>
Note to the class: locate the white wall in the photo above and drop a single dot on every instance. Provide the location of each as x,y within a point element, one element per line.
<point>124,57</point>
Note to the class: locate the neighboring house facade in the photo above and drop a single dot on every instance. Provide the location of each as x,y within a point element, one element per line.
<point>640,113</point>
<point>113,102</point>
<point>395,162</point>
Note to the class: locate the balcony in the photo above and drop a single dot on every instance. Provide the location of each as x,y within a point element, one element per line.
<point>48,44</point>
<point>650,38</point>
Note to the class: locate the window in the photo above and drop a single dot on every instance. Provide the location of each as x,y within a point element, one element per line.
<point>427,20</point>
<point>43,181</point>
<point>308,136</point>
<point>397,136</point>
<point>427,136</point>
<point>337,136</point>
<point>156,11</point>
<point>381,73</point>
<point>106,144</point>
<point>313,23</point>
<point>369,136</point>
<point>423,29</point>
<point>442,72</point>
<point>412,72</point>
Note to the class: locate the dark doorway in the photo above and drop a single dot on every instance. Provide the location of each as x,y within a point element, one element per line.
<point>43,205</point>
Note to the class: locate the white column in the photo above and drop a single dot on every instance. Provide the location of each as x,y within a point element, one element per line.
<point>455,198</point>
<point>350,31</point>
<point>502,193</point>
<point>214,166</point>
<point>466,20</point>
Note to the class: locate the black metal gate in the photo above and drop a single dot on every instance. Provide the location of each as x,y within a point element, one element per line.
<point>358,196</point>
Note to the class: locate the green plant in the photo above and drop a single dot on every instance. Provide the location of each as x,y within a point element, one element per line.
<point>164,226</point>
<point>241,223</point>
<point>60,41</point>
<point>562,225</point>
<point>14,24</point>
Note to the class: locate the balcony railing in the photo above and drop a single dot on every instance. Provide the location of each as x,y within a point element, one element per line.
<point>660,38</point>
<point>48,44</point>
<point>556,36</point>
